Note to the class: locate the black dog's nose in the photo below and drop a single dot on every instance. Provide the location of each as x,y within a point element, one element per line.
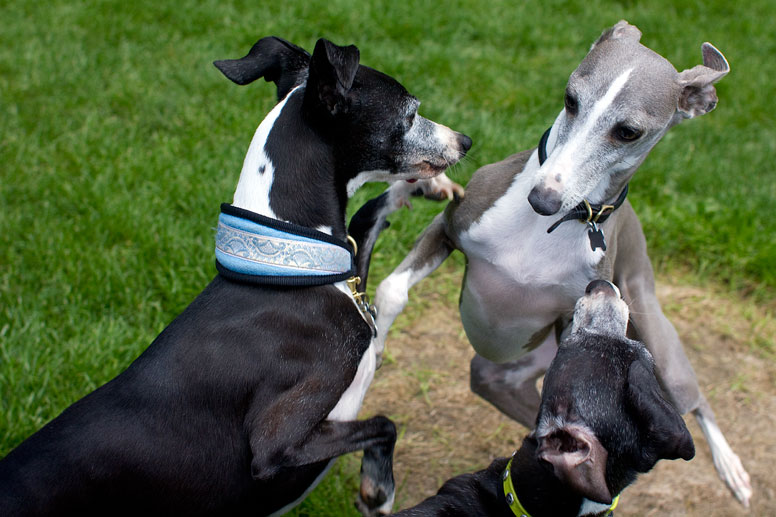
<point>602,286</point>
<point>465,141</point>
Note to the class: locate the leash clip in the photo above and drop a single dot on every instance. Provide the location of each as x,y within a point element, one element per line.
<point>368,311</point>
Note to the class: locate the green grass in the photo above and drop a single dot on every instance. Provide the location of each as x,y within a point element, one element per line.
<point>118,140</point>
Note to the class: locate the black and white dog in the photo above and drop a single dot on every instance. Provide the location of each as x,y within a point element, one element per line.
<point>603,419</point>
<point>241,403</point>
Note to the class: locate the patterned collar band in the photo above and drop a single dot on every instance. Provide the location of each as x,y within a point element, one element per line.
<point>510,494</point>
<point>256,249</point>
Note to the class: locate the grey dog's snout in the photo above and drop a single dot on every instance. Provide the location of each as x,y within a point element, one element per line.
<point>602,286</point>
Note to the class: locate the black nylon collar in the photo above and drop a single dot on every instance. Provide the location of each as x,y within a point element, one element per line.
<point>585,211</point>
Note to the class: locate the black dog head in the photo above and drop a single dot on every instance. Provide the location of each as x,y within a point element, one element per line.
<point>368,118</point>
<point>603,418</point>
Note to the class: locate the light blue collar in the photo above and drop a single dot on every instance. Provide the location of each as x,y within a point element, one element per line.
<point>257,249</point>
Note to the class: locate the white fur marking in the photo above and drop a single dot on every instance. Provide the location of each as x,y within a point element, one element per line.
<point>603,104</point>
<point>561,170</point>
<point>254,187</point>
<point>350,403</point>
<point>592,508</point>
<point>582,136</point>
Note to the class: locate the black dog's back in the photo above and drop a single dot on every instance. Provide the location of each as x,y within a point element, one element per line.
<point>175,426</point>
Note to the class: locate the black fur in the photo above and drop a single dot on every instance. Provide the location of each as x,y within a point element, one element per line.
<point>365,226</point>
<point>233,386</point>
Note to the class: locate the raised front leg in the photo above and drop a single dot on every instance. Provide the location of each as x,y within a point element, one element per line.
<point>330,439</point>
<point>372,218</point>
<point>429,251</point>
<point>511,387</point>
<point>675,373</point>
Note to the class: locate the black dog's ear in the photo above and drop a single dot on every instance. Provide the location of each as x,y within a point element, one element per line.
<point>273,58</point>
<point>332,71</point>
<point>579,460</point>
<point>664,434</point>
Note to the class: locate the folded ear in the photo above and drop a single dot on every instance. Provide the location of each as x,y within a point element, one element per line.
<point>698,96</point>
<point>332,71</point>
<point>664,434</point>
<point>621,29</point>
<point>273,58</point>
<point>578,460</point>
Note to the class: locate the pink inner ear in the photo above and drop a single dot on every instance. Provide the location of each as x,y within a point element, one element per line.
<point>578,460</point>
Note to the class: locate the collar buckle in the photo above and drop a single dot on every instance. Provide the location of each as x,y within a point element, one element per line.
<point>605,211</point>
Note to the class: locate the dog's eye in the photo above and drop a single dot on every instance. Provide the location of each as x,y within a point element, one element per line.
<point>409,119</point>
<point>626,133</point>
<point>571,104</point>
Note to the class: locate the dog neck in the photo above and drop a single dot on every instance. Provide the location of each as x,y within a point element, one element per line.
<point>289,172</point>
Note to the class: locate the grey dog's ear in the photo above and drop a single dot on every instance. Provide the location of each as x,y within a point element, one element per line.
<point>579,460</point>
<point>273,58</point>
<point>332,72</point>
<point>664,434</point>
<point>698,95</point>
<point>621,29</point>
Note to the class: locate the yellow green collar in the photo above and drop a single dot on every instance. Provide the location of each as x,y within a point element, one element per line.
<point>514,503</point>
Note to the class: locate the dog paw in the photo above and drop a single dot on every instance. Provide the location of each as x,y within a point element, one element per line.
<point>439,188</point>
<point>374,500</point>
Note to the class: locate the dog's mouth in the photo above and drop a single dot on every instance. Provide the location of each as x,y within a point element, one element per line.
<point>428,169</point>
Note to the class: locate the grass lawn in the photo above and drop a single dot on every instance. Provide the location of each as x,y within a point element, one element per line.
<point>119,139</point>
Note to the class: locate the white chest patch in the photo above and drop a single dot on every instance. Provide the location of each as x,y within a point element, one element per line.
<point>350,402</point>
<point>592,508</point>
<point>520,279</point>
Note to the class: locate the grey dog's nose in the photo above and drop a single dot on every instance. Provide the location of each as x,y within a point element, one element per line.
<point>602,286</point>
<point>545,201</point>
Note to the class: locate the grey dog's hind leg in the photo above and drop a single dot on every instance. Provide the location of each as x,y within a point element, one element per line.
<point>678,378</point>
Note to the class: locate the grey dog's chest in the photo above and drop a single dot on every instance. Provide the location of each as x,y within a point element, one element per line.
<point>521,280</point>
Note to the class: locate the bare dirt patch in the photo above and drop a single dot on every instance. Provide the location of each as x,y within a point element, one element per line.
<point>446,430</point>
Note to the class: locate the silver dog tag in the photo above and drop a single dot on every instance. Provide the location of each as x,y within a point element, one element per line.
<point>596,237</point>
